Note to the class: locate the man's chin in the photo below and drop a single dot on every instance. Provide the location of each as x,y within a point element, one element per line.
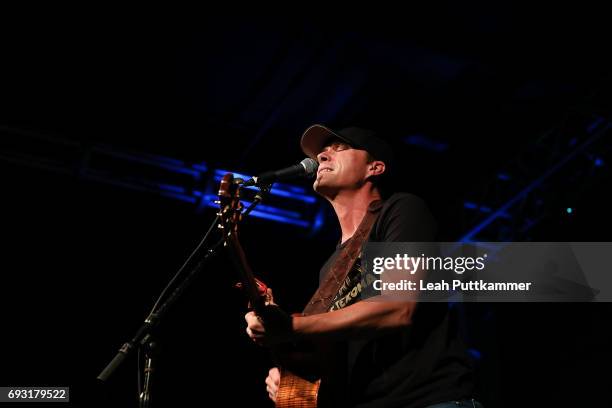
<point>323,189</point>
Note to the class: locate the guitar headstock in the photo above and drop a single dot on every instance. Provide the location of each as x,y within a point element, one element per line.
<point>230,207</point>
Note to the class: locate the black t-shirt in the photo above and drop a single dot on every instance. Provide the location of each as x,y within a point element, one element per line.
<point>421,365</point>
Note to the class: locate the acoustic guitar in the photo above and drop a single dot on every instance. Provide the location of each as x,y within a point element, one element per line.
<point>295,391</point>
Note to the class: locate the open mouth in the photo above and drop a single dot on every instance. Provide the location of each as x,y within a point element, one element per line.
<point>325,170</point>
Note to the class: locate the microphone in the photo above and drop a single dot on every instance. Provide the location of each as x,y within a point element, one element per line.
<point>305,168</point>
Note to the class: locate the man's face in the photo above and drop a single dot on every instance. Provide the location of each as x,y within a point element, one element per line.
<point>341,167</point>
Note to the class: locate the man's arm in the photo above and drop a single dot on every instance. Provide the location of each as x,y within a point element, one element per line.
<point>361,320</point>
<point>407,220</point>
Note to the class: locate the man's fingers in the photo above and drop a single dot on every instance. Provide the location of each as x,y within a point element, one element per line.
<point>272,391</point>
<point>272,397</point>
<point>278,325</point>
<point>254,334</point>
<point>272,383</point>
<point>254,326</point>
<point>269,297</point>
<point>274,374</point>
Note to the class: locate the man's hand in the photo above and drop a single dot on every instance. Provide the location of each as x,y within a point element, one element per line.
<point>272,326</point>
<point>270,297</point>
<point>272,382</point>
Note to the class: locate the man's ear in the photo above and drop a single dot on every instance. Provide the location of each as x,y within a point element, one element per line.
<point>376,168</point>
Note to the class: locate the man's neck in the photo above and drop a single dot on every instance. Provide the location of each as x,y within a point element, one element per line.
<point>350,207</point>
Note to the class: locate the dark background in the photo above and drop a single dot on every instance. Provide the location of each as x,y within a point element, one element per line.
<point>480,101</point>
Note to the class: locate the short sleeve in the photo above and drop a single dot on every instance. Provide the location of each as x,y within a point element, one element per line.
<point>405,218</point>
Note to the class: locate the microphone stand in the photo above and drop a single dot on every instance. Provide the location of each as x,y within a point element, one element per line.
<point>143,337</point>
<point>264,189</point>
<point>151,349</point>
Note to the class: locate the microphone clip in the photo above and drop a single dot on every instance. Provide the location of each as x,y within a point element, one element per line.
<point>256,181</point>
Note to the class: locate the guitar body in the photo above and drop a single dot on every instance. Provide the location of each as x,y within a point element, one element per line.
<point>296,392</point>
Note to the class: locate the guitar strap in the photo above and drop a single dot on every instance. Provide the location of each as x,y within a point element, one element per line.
<point>340,268</point>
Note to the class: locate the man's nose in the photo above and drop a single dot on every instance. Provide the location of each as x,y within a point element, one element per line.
<point>323,156</point>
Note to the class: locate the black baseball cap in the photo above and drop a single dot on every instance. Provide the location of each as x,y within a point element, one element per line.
<point>315,137</point>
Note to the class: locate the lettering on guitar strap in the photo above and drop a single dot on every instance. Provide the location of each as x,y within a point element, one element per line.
<point>356,286</point>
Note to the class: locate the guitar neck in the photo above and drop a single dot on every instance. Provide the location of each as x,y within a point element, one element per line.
<point>249,284</point>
